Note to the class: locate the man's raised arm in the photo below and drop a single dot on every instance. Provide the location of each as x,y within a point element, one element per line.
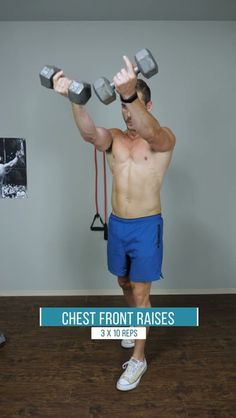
<point>100,137</point>
<point>9,166</point>
<point>160,138</point>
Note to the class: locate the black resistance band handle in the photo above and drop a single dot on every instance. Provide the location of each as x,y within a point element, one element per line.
<point>97,228</point>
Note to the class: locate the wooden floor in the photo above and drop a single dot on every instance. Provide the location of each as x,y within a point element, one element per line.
<point>62,373</point>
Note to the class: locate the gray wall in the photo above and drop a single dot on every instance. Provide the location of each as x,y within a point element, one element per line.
<point>46,245</point>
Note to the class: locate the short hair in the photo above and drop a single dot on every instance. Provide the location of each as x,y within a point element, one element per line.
<point>143,88</point>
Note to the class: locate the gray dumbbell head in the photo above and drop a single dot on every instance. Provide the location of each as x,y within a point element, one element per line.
<point>79,92</point>
<point>104,90</point>
<point>46,75</point>
<point>146,63</point>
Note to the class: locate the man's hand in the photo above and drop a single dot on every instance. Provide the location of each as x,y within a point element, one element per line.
<point>125,81</point>
<point>61,83</point>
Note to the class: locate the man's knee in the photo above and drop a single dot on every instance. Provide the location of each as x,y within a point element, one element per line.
<point>124,282</point>
<point>141,294</point>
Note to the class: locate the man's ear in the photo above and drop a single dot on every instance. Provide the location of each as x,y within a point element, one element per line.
<point>149,106</point>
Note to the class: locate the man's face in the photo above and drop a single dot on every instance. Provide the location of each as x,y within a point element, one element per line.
<point>126,114</point>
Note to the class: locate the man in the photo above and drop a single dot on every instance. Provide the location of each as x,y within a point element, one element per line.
<point>7,167</point>
<point>138,158</point>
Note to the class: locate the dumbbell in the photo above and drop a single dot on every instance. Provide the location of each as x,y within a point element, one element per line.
<point>46,75</point>
<point>145,64</point>
<point>78,92</point>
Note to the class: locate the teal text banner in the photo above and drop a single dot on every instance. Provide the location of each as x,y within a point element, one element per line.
<point>118,317</point>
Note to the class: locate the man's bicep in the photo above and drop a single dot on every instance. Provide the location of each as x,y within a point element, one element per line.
<point>170,133</point>
<point>104,139</point>
<point>163,141</point>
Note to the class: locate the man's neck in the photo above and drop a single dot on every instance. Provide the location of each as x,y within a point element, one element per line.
<point>132,134</point>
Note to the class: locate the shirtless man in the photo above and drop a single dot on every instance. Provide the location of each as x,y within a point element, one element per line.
<point>7,167</point>
<point>138,158</point>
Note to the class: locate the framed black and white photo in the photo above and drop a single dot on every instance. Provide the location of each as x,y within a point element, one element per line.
<point>13,176</point>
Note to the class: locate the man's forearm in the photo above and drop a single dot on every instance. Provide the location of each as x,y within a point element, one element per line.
<point>84,122</point>
<point>142,120</point>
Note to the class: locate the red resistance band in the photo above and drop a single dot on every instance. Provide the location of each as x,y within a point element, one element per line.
<point>97,215</point>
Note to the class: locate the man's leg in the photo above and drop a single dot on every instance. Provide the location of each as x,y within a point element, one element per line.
<point>141,297</point>
<point>136,366</point>
<point>126,286</point>
<point>137,294</point>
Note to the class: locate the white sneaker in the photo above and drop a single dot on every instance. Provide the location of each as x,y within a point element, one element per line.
<point>126,343</point>
<point>131,377</point>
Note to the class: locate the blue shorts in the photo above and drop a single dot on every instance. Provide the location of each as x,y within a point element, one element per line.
<point>135,247</point>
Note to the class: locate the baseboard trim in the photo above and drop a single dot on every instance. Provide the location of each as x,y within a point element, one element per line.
<point>113,292</point>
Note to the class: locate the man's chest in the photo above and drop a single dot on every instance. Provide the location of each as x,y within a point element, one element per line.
<point>138,151</point>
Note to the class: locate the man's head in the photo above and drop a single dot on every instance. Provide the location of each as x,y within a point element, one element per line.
<point>144,95</point>
<point>144,90</point>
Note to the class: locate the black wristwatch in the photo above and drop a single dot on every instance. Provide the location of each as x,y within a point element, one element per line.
<point>130,99</point>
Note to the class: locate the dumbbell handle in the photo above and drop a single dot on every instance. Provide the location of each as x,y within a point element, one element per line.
<point>136,70</point>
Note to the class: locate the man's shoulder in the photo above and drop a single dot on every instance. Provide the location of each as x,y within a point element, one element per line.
<point>170,133</point>
<point>116,132</point>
